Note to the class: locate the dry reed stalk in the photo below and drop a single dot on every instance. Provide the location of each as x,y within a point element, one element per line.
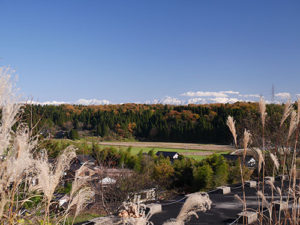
<point>80,200</point>
<point>50,175</point>
<point>241,200</point>
<point>15,146</point>
<point>262,196</point>
<point>271,184</point>
<point>262,110</point>
<point>286,112</point>
<point>293,123</point>
<point>246,141</point>
<point>260,157</point>
<point>231,125</point>
<point>275,161</point>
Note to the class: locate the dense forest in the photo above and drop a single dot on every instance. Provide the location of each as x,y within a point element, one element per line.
<point>190,123</point>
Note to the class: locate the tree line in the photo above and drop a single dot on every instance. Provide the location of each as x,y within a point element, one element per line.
<point>189,123</point>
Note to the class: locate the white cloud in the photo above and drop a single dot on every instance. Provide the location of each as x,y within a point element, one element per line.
<point>198,97</point>
<point>169,101</point>
<point>229,96</point>
<point>204,94</point>
<point>250,96</point>
<point>196,101</point>
<point>224,100</point>
<point>78,102</point>
<point>283,95</point>
<point>94,101</point>
<point>217,94</point>
<point>46,103</point>
<point>231,92</point>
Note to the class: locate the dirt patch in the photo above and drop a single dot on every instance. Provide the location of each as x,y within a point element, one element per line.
<point>204,153</point>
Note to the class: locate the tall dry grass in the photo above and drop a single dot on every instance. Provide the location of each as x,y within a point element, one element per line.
<point>288,191</point>
<point>25,174</point>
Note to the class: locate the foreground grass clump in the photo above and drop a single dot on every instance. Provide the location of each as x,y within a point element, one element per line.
<point>27,180</point>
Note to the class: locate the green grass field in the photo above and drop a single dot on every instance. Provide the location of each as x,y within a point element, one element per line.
<point>198,157</point>
<point>197,154</point>
<point>136,150</point>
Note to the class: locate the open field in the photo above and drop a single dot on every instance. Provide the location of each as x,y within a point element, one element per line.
<point>195,151</point>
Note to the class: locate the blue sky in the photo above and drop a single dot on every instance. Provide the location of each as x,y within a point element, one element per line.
<point>152,51</point>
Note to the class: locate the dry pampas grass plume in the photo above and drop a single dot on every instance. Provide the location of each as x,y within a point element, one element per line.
<point>262,109</point>
<point>274,160</point>
<point>260,158</point>
<point>231,125</point>
<point>21,164</point>
<point>246,141</point>
<point>81,199</point>
<point>263,198</point>
<point>271,184</point>
<point>286,112</point>
<point>49,175</point>
<point>293,123</point>
<point>196,202</point>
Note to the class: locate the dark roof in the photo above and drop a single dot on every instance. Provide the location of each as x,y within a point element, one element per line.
<point>85,158</point>
<point>235,157</point>
<point>166,154</point>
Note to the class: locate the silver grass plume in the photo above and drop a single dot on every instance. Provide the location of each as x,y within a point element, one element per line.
<point>264,200</point>
<point>15,145</point>
<point>260,158</point>
<point>262,109</point>
<point>239,199</point>
<point>196,202</point>
<point>275,160</point>
<point>20,159</point>
<point>246,140</point>
<point>293,123</point>
<point>49,175</point>
<point>231,125</point>
<point>10,108</point>
<point>81,199</point>
<point>7,90</point>
<point>286,112</point>
<point>79,181</point>
<point>278,190</point>
<point>270,183</point>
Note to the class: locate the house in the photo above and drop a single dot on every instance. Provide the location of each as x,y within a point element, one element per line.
<point>171,155</point>
<point>87,164</point>
<point>107,181</point>
<point>249,160</point>
<point>86,159</point>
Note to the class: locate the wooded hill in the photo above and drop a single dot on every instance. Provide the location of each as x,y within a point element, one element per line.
<point>190,123</point>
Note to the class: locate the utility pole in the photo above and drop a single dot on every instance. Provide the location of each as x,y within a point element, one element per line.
<point>273,93</point>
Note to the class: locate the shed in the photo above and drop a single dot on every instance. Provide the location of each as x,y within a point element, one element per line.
<point>170,155</point>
